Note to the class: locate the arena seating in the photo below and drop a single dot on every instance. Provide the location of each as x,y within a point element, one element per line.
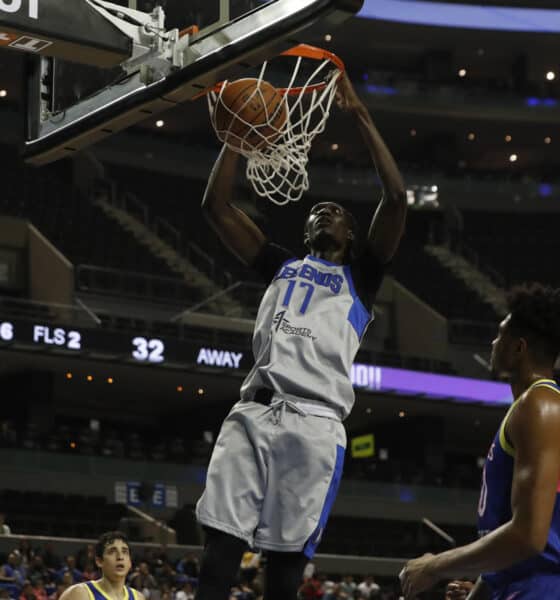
<point>41,513</point>
<point>521,247</point>
<point>376,537</point>
<point>74,436</point>
<point>73,224</point>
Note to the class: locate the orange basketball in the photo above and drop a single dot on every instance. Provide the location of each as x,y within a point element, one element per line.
<point>249,114</point>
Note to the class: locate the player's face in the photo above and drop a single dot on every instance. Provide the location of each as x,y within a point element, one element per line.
<point>503,357</point>
<point>327,222</point>
<point>116,562</point>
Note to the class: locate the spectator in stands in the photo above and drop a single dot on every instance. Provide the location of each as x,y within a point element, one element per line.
<point>311,589</point>
<point>11,572</point>
<point>166,576</point>
<point>62,587</point>
<point>90,572</point>
<point>70,567</point>
<point>50,558</point>
<point>250,564</point>
<point>27,592</point>
<point>39,590</point>
<point>188,566</point>
<point>368,589</point>
<point>347,587</point>
<point>143,580</point>
<point>5,594</point>
<point>4,528</point>
<point>330,590</point>
<point>85,556</point>
<point>185,592</point>
<point>37,570</point>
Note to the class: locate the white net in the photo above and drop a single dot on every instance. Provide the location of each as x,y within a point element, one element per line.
<point>277,149</point>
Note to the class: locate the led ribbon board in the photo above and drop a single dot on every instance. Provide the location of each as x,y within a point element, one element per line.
<point>429,385</point>
<point>466,16</point>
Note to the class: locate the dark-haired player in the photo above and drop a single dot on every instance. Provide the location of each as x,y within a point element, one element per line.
<point>112,557</point>
<point>518,553</point>
<point>277,463</point>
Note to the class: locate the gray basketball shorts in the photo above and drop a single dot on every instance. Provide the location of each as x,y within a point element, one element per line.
<point>273,477</point>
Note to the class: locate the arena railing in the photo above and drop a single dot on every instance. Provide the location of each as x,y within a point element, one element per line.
<point>327,563</point>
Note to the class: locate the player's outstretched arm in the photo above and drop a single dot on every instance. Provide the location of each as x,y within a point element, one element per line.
<point>388,223</point>
<point>75,592</point>
<point>533,430</point>
<point>235,228</point>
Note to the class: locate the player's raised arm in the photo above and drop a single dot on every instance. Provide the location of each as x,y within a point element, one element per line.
<point>235,228</point>
<point>388,223</point>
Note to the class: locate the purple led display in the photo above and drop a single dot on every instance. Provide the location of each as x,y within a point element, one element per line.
<point>468,16</point>
<point>430,385</point>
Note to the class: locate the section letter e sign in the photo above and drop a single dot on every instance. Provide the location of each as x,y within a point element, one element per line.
<point>14,6</point>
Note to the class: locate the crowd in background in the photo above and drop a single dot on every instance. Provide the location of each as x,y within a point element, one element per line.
<point>28,573</point>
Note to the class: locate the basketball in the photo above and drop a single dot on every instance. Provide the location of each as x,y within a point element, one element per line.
<point>250,114</point>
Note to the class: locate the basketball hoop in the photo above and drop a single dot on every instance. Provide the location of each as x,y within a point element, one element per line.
<point>277,169</point>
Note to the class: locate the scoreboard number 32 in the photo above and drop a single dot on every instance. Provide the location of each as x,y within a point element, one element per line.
<point>148,350</point>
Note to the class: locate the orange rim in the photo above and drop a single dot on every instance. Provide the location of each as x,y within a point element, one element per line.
<point>304,51</point>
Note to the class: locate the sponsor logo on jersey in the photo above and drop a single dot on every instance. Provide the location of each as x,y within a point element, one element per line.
<point>333,281</point>
<point>280,323</point>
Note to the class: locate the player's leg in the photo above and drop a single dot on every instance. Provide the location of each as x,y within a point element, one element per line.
<point>284,571</point>
<point>304,473</point>
<point>220,564</point>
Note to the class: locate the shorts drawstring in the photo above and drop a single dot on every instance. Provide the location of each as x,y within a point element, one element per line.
<point>278,409</point>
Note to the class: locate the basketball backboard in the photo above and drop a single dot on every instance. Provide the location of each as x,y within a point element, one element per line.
<point>72,106</point>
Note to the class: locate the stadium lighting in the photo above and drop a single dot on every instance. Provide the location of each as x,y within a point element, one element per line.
<point>160,123</point>
<point>513,158</point>
<point>89,377</point>
<point>551,76</point>
<point>547,140</point>
<point>328,37</point>
<point>179,388</point>
<point>110,380</point>
<point>69,375</point>
<point>402,414</point>
<point>3,93</point>
<point>334,147</point>
<point>201,391</point>
<point>462,72</point>
<point>508,138</point>
<point>368,411</point>
<point>471,137</point>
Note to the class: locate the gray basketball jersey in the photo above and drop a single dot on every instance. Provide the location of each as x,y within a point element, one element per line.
<point>307,332</point>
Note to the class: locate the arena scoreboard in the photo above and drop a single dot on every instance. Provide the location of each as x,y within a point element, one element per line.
<point>103,344</point>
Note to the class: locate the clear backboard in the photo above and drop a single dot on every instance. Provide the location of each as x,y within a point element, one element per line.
<point>72,106</point>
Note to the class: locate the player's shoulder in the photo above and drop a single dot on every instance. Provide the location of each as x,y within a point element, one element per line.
<point>542,399</point>
<point>138,595</point>
<point>78,591</point>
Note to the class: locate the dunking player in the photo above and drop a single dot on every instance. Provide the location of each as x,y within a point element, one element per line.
<point>112,557</point>
<point>519,508</point>
<point>277,463</point>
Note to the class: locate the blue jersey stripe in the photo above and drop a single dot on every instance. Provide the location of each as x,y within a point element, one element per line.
<point>313,541</point>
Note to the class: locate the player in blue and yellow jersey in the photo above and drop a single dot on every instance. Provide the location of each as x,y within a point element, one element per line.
<point>518,552</point>
<point>112,557</point>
